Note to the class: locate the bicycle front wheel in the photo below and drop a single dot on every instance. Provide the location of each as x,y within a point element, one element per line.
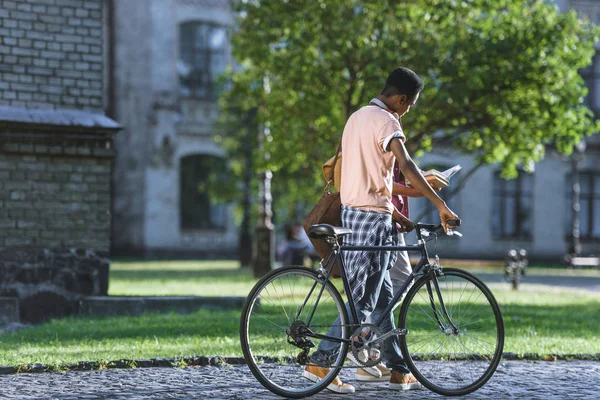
<point>282,311</point>
<point>455,334</point>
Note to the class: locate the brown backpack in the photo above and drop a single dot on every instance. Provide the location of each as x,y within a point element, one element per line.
<point>327,211</point>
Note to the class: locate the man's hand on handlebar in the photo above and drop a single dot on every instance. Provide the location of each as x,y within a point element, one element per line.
<point>448,218</point>
<point>406,225</point>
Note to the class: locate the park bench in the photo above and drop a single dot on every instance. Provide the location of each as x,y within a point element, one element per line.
<point>578,262</point>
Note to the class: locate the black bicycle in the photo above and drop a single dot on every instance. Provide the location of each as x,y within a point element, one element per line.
<point>449,326</point>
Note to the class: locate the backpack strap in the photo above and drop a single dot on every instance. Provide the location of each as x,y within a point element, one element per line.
<point>337,153</point>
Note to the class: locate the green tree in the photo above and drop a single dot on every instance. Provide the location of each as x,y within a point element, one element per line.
<point>501,78</point>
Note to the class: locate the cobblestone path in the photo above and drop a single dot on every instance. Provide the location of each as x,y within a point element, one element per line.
<point>513,379</point>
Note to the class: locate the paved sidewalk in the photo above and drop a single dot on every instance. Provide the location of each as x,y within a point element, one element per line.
<point>591,283</point>
<point>513,379</point>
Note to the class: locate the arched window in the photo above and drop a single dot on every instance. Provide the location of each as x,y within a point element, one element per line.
<point>203,56</point>
<point>200,178</point>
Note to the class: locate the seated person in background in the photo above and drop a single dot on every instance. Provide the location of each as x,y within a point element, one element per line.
<point>295,246</point>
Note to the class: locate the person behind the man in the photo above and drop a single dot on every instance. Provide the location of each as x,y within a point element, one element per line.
<point>371,142</point>
<point>402,269</point>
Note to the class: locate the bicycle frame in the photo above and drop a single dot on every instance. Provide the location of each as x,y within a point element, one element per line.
<point>336,257</point>
<point>297,317</point>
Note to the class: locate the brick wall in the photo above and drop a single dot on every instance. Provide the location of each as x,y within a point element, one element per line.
<point>54,201</point>
<point>55,155</point>
<point>54,219</point>
<point>51,53</point>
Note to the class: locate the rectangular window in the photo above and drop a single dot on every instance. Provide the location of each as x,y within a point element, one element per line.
<point>513,207</point>
<point>589,205</point>
<point>422,210</point>
<point>203,56</point>
<point>591,76</point>
<point>201,176</point>
<point>595,208</point>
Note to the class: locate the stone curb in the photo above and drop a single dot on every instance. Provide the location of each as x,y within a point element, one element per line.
<point>108,306</point>
<point>102,306</point>
<point>124,363</point>
<point>221,361</point>
<point>549,357</point>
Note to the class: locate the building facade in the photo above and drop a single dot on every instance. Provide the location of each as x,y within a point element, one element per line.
<point>166,55</point>
<point>534,211</point>
<point>55,156</point>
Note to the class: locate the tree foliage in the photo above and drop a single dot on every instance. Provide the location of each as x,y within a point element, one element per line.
<point>501,77</point>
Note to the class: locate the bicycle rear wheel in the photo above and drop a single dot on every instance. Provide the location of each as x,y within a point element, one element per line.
<point>455,353</point>
<point>278,311</point>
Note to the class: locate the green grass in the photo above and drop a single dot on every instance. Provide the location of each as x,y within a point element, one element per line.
<point>548,320</point>
<point>536,270</point>
<point>197,278</point>
<point>70,340</point>
<point>538,319</point>
<point>181,278</point>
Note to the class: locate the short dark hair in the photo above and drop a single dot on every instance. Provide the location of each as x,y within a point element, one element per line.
<point>403,81</point>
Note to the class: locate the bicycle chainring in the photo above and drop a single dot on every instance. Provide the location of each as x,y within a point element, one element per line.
<point>367,355</point>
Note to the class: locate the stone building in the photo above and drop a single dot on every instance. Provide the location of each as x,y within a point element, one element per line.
<point>55,155</point>
<point>167,55</point>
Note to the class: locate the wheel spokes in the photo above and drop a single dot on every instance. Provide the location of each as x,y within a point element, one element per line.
<point>453,361</point>
<point>276,329</point>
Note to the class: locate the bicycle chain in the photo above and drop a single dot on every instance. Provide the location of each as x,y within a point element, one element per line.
<point>358,333</point>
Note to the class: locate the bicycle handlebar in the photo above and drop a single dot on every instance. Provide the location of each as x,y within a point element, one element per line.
<point>455,223</point>
<point>431,228</point>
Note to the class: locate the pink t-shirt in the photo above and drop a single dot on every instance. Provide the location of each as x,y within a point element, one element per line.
<point>367,161</point>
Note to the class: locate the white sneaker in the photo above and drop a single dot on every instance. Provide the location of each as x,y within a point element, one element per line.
<point>385,371</point>
<point>363,376</point>
<point>400,381</point>
<point>363,356</point>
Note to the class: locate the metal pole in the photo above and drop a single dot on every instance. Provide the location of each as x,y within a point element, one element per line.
<point>264,249</point>
<point>245,234</point>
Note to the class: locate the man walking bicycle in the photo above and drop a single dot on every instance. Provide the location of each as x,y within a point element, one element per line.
<point>372,141</point>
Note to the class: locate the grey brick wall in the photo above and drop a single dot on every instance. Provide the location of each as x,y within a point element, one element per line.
<point>55,161</point>
<point>54,223</point>
<point>51,54</point>
<point>54,202</point>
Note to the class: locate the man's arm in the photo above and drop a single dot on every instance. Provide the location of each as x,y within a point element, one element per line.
<point>403,190</point>
<point>413,174</point>
<point>406,225</point>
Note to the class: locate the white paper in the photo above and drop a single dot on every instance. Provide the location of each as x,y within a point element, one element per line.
<point>449,173</point>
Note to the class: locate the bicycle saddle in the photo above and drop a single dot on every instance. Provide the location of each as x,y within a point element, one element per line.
<point>321,231</point>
